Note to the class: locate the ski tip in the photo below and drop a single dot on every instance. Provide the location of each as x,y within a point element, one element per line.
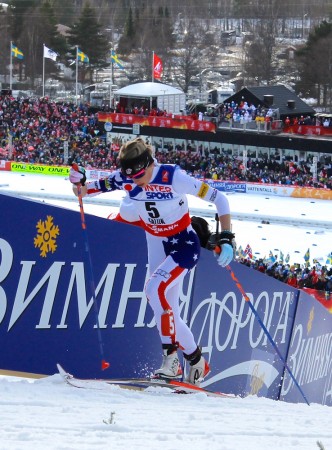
<point>61,370</point>
<point>65,375</point>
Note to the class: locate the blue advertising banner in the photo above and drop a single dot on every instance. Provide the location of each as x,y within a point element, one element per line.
<point>310,354</point>
<point>47,313</point>
<point>227,186</point>
<point>242,359</point>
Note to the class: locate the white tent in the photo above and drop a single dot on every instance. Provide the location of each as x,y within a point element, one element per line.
<point>163,96</point>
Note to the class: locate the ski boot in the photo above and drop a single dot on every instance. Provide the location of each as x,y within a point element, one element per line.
<point>198,369</point>
<point>170,367</point>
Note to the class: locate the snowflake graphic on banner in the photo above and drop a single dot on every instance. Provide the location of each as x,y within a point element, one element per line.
<point>46,237</point>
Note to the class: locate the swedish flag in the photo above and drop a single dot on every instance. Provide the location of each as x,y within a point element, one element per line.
<point>16,52</point>
<point>239,252</point>
<point>307,255</point>
<point>115,60</point>
<point>329,259</point>
<point>82,57</point>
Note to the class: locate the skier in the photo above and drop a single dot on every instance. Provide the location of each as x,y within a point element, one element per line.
<point>156,198</point>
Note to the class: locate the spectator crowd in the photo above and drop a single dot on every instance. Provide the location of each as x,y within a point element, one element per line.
<point>317,277</point>
<point>226,167</point>
<point>39,127</point>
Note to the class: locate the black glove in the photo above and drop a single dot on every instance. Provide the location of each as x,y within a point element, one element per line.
<point>226,237</point>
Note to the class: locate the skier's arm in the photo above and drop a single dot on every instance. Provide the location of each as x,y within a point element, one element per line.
<point>186,184</point>
<point>77,176</point>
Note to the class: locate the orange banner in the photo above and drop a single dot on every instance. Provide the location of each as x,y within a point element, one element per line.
<point>308,192</point>
<point>184,123</point>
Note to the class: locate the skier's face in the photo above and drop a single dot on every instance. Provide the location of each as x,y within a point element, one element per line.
<point>144,179</point>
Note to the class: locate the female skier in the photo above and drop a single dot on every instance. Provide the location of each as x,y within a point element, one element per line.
<point>156,197</point>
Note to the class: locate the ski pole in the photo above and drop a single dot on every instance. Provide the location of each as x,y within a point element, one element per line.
<point>104,363</point>
<point>253,309</point>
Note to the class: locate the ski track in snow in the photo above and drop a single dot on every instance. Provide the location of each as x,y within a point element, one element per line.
<point>47,413</point>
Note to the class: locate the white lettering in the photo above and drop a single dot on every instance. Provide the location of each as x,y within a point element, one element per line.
<point>5,266</point>
<point>126,294</point>
<point>309,359</point>
<point>21,303</point>
<point>227,317</point>
<point>78,279</point>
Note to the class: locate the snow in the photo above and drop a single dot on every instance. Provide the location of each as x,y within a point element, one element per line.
<point>47,413</point>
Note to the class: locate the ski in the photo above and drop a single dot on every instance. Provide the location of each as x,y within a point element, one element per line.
<point>177,387</point>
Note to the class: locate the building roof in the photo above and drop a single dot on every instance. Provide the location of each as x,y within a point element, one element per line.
<point>275,97</point>
<point>148,89</point>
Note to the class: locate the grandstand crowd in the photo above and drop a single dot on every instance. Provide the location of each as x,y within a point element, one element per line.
<point>39,127</point>
<point>318,277</point>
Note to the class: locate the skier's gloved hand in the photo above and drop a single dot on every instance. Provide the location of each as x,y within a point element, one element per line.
<point>226,248</point>
<point>226,256</point>
<point>77,175</point>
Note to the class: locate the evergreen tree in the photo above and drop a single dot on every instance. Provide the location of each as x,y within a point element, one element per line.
<point>65,11</point>
<point>49,33</point>
<point>316,65</point>
<point>33,23</point>
<point>4,44</point>
<point>88,35</point>
<point>127,40</point>
<point>18,10</point>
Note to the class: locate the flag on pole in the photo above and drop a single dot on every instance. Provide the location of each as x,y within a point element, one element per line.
<point>287,258</point>
<point>115,60</point>
<point>281,256</point>
<point>240,252</point>
<point>329,259</point>
<point>307,255</point>
<point>51,54</point>
<point>16,52</point>
<point>248,251</point>
<point>157,66</point>
<point>271,258</point>
<point>82,57</point>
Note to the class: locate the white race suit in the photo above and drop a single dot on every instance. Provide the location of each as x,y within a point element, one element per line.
<point>173,246</point>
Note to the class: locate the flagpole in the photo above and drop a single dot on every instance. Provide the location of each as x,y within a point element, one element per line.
<point>11,66</point>
<point>43,70</point>
<point>76,89</point>
<point>112,80</point>
<point>152,77</point>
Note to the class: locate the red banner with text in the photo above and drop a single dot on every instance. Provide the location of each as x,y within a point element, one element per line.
<point>184,122</point>
<point>308,130</point>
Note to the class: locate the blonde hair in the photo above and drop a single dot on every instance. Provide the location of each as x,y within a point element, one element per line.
<point>133,149</point>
